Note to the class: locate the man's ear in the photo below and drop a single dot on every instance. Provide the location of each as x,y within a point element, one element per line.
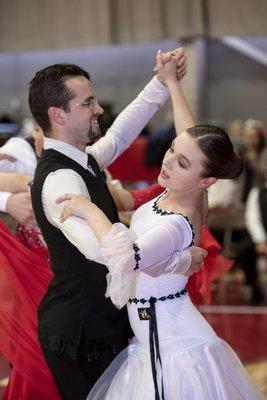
<point>56,115</point>
<point>207,182</point>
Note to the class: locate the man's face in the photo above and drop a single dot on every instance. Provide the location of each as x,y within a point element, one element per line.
<point>81,119</point>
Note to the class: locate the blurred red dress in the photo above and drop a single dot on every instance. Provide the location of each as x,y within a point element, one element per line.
<point>215,265</point>
<point>24,276</point>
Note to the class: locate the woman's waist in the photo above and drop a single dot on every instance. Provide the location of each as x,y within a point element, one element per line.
<point>164,285</point>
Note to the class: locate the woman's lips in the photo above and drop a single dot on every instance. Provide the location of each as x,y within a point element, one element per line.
<point>164,174</point>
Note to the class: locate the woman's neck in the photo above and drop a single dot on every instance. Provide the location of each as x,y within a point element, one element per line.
<point>176,201</point>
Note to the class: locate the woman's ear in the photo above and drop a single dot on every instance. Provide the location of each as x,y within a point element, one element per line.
<point>207,182</point>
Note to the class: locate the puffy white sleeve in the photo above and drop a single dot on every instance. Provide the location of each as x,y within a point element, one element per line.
<point>156,252</point>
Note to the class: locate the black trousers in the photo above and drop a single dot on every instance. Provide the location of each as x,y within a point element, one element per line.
<point>75,378</point>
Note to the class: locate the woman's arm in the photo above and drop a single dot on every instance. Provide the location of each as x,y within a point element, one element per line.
<point>82,207</point>
<point>183,117</point>
<point>123,198</point>
<point>174,232</point>
<point>13,183</point>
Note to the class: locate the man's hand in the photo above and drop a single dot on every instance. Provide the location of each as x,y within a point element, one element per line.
<point>19,207</point>
<point>198,256</point>
<point>178,57</point>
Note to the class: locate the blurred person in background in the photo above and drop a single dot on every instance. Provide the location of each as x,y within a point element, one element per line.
<point>256,209</point>
<point>20,155</point>
<point>253,145</point>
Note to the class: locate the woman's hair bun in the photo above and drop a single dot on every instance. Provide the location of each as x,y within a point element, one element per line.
<point>235,167</point>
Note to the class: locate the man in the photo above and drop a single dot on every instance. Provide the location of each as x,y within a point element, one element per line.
<point>80,330</point>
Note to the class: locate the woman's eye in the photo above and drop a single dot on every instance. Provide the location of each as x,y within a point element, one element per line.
<point>171,149</point>
<point>181,164</point>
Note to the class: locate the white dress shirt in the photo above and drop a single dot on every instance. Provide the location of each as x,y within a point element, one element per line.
<point>25,163</point>
<point>253,218</point>
<point>118,138</point>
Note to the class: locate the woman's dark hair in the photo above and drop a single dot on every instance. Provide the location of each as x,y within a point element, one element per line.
<point>48,89</point>
<point>222,161</point>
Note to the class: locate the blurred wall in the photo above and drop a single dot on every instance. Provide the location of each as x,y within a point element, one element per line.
<point>221,84</point>
<point>46,24</point>
<point>235,85</point>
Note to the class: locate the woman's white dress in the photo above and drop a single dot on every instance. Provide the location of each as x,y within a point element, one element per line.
<point>196,363</point>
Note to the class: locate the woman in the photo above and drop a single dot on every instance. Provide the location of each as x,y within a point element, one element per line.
<point>175,354</point>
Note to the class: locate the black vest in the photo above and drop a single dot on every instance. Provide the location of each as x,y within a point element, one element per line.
<point>75,302</point>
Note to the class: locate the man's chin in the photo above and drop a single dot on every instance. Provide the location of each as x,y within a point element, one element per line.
<point>93,137</point>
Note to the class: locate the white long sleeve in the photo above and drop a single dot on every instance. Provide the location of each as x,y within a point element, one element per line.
<point>26,160</point>
<point>76,230</point>
<point>4,196</point>
<point>129,123</point>
<point>253,217</point>
<point>25,163</point>
<point>156,252</point>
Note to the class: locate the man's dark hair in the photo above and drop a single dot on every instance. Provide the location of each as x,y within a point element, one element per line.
<point>48,89</point>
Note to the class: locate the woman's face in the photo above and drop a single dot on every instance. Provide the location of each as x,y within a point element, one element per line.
<point>183,165</point>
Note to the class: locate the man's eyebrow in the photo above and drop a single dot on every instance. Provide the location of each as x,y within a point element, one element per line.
<point>90,98</point>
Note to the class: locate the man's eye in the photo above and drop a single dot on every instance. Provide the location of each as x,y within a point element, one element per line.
<point>171,149</point>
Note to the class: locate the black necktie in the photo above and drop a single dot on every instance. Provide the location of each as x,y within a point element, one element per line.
<point>92,163</point>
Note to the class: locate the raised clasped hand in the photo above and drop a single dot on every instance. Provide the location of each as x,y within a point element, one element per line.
<point>171,65</point>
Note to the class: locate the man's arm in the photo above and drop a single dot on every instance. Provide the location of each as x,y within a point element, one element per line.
<point>19,206</point>
<point>129,123</point>
<point>14,183</point>
<point>76,230</point>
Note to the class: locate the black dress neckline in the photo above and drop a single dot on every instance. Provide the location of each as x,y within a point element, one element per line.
<point>158,210</point>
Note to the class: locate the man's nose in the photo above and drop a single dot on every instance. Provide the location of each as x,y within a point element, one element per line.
<point>98,110</point>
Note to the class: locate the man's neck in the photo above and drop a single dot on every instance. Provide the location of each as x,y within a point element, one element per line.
<point>57,140</point>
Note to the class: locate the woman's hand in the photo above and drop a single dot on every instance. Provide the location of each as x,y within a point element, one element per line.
<point>177,56</point>
<point>77,205</point>
<point>82,207</point>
